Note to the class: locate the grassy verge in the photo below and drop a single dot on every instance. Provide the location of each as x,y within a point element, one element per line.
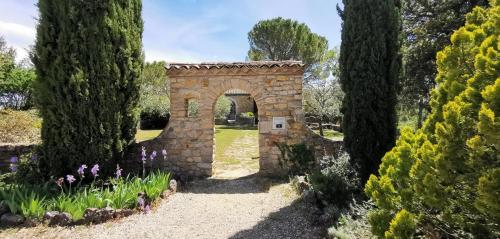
<point>331,134</point>
<point>20,126</point>
<point>143,135</point>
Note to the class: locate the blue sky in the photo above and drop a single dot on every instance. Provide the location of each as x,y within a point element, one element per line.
<point>191,30</point>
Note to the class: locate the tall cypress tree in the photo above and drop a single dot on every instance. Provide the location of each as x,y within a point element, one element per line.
<point>370,63</point>
<point>88,57</point>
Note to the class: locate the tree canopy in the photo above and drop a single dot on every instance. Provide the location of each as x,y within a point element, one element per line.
<point>322,93</point>
<point>285,39</point>
<point>428,25</point>
<point>155,89</point>
<point>16,80</point>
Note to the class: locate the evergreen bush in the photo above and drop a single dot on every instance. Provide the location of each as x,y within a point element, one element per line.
<point>446,174</point>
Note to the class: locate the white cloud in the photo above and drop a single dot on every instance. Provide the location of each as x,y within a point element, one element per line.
<point>17,30</point>
<point>18,36</point>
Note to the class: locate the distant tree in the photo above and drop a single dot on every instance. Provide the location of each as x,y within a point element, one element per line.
<point>155,93</point>
<point>323,94</point>
<point>285,39</point>
<point>88,58</point>
<point>16,80</point>
<point>17,88</point>
<point>222,107</point>
<point>7,59</point>
<point>427,26</point>
<point>370,63</point>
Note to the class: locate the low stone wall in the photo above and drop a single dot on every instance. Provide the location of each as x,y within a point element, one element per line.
<point>9,150</point>
<point>323,146</point>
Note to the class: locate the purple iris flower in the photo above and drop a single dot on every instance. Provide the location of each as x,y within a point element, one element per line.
<point>70,178</point>
<point>118,171</point>
<point>153,155</point>
<point>143,151</point>
<point>81,170</point>
<point>94,170</point>
<point>34,157</point>
<point>14,159</point>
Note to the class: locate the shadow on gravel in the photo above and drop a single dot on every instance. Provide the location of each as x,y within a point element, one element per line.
<point>294,221</point>
<point>253,183</point>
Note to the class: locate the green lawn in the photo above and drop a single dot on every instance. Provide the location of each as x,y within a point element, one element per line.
<point>143,135</point>
<point>225,137</point>
<point>331,134</point>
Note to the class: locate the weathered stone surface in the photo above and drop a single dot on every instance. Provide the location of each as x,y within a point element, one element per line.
<point>96,216</point>
<point>9,219</point>
<point>31,222</point>
<point>107,213</point>
<point>3,208</point>
<point>172,185</point>
<point>49,215</point>
<point>60,219</point>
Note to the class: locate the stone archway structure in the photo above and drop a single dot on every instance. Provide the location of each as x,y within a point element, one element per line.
<point>276,87</point>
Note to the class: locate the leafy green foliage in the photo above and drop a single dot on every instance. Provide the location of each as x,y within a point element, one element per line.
<point>285,39</point>
<point>222,107</point>
<point>17,88</point>
<point>337,180</point>
<point>7,60</point>
<point>370,69</point>
<point>402,226</point>
<point>16,80</point>
<point>298,158</point>
<point>155,96</point>
<point>322,93</point>
<point>446,174</point>
<point>427,26</point>
<point>28,169</point>
<point>88,59</point>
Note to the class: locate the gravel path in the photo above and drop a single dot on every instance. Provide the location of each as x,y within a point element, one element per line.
<point>249,207</point>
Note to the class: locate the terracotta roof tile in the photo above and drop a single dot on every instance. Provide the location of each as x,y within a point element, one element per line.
<point>219,65</point>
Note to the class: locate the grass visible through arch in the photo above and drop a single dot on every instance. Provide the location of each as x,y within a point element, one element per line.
<point>143,135</point>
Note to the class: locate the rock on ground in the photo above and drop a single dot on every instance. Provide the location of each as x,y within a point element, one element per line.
<point>249,207</point>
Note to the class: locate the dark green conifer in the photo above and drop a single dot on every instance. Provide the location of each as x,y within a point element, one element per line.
<point>370,63</point>
<point>88,57</point>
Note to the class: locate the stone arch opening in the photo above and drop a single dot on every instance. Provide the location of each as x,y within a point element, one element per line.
<point>276,87</point>
<point>236,142</point>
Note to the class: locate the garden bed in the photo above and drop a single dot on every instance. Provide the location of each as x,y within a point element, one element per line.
<point>57,203</point>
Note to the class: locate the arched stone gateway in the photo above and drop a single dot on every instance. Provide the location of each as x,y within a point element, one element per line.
<point>194,89</point>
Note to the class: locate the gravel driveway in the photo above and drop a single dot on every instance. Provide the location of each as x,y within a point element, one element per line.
<point>249,207</point>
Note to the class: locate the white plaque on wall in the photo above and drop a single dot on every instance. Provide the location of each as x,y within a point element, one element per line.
<point>279,122</point>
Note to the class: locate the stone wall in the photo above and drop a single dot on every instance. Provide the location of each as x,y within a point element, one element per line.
<point>323,146</point>
<point>244,103</point>
<point>9,150</point>
<point>276,88</point>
